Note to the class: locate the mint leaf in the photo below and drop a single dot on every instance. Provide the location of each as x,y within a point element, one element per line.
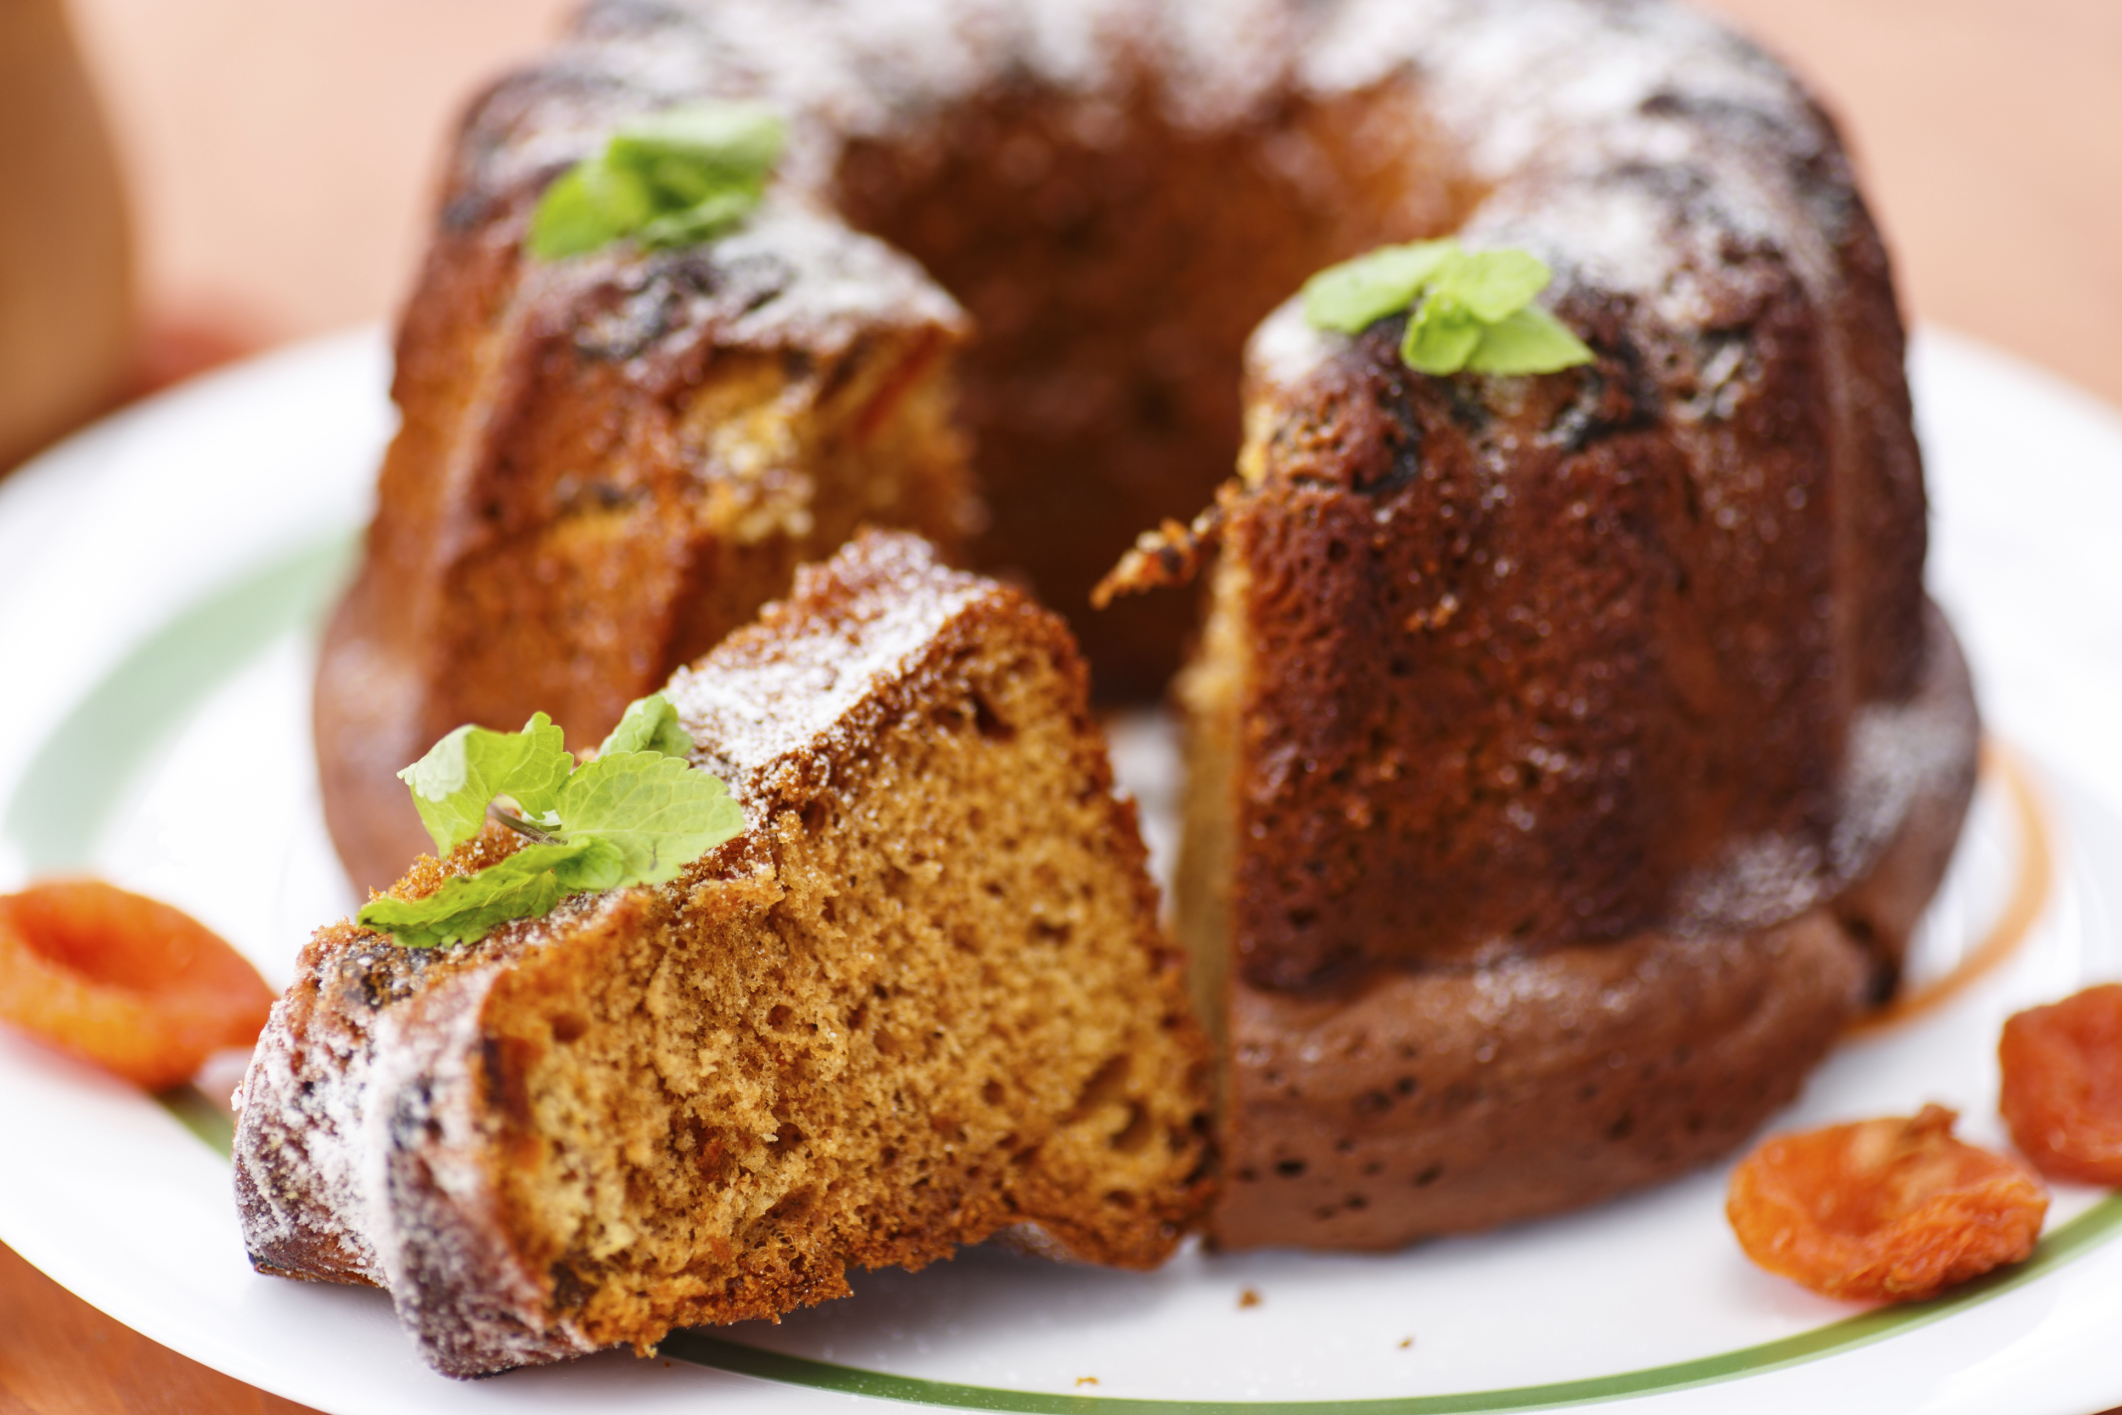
<point>461,774</point>
<point>1491,285</point>
<point>686,152</point>
<point>589,206</point>
<point>1475,308</point>
<point>658,811</point>
<point>526,885</point>
<point>675,177</point>
<point>1529,341</point>
<point>638,814</point>
<point>714,215</point>
<point>1355,294</point>
<point>1440,338</point>
<point>650,725</point>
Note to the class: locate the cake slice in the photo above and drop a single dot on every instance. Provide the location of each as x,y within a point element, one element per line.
<point>923,998</point>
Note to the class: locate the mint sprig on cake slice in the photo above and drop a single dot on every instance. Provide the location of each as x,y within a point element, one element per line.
<point>637,813</point>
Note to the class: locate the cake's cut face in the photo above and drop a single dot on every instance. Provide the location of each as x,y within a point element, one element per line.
<point>923,999</point>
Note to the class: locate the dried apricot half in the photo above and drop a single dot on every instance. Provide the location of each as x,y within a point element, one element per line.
<point>1892,1210</point>
<point>124,981</point>
<point>2062,1094</point>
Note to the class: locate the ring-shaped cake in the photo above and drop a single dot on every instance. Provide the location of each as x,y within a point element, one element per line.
<point>1571,756</point>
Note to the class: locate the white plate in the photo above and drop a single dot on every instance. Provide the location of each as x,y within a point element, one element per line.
<point>160,577</point>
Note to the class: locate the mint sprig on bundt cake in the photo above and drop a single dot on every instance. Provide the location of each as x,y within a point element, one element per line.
<point>672,178</point>
<point>1469,310</point>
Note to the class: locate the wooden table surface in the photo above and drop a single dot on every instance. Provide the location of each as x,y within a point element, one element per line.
<point>1989,131</point>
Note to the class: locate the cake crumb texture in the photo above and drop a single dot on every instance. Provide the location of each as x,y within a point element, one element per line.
<point>922,999</point>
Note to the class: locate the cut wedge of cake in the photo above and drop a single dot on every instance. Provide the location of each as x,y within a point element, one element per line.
<point>921,999</point>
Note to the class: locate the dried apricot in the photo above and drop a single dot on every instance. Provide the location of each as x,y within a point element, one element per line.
<point>1884,1210</point>
<point>124,981</point>
<point>2062,1094</point>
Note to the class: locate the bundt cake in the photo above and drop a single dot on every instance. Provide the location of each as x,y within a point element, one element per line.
<point>923,998</point>
<point>1569,754</point>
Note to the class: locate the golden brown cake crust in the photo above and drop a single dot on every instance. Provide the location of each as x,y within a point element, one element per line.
<point>1528,690</point>
<point>1514,685</point>
<point>904,950</point>
<point>1451,1099</point>
<point>1495,708</point>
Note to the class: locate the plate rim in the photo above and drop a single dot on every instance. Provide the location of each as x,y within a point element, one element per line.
<point>75,779</point>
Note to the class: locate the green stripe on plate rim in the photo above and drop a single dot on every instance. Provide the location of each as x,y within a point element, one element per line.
<point>2054,1249</point>
<point>203,1116</point>
<point>79,774</point>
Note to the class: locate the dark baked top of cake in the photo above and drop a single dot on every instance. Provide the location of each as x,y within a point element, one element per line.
<point>1117,192</point>
<point>1622,140</point>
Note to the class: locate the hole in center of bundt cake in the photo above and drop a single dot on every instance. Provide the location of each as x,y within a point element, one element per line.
<point>1115,259</point>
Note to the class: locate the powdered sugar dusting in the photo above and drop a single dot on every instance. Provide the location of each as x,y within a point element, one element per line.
<point>1285,350</point>
<point>838,283</point>
<point>1760,882</point>
<point>426,1159</point>
<point>1616,136</point>
<point>299,1118</point>
<point>1897,757</point>
<point>768,699</point>
<point>1622,140</point>
<point>1898,754</point>
<point>364,1147</point>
